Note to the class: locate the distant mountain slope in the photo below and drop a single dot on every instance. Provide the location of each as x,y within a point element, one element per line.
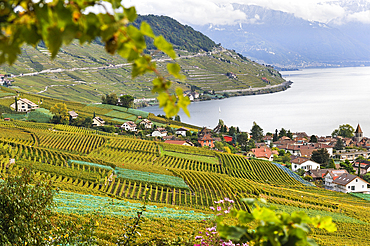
<point>85,73</point>
<point>181,36</point>
<point>279,38</point>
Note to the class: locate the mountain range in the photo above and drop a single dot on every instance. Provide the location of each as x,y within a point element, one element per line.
<point>286,41</point>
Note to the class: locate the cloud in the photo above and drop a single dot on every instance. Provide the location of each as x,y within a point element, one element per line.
<point>363,17</point>
<point>219,12</point>
<point>195,12</point>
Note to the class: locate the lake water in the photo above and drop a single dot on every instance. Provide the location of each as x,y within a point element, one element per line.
<point>318,102</point>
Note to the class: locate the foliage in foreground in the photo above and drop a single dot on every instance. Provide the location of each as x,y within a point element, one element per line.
<point>59,22</point>
<point>25,209</point>
<point>271,227</point>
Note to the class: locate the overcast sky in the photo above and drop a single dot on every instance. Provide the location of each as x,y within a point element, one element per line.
<point>201,12</point>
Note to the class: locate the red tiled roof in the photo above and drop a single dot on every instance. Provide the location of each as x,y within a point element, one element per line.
<point>299,160</point>
<point>206,137</point>
<point>262,152</point>
<point>178,142</point>
<point>228,138</point>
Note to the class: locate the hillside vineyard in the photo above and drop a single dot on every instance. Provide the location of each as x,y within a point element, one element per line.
<point>90,167</point>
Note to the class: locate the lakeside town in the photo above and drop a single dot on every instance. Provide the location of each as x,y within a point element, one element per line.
<point>338,162</point>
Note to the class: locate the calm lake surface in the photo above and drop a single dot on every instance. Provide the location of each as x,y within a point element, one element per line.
<point>318,102</point>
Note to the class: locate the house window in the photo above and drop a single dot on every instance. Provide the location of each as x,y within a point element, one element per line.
<point>349,187</point>
<point>352,187</point>
<point>295,166</point>
<point>356,180</point>
<point>362,186</point>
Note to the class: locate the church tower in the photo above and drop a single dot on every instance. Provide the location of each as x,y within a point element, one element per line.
<point>358,134</point>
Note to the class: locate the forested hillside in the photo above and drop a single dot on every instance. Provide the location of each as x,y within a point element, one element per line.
<point>180,36</point>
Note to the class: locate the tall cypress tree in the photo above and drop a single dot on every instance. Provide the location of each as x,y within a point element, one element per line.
<point>16,104</point>
<point>359,169</point>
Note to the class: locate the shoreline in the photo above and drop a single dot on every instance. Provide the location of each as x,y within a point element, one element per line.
<point>236,93</point>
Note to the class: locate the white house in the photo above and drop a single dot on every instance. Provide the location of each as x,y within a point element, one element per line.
<point>351,183</point>
<point>129,126</point>
<point>24,105</point>
<point>330,176</point>
<point>304,163</point>
<point>147,123</point>
<point>159,132</point>
<point>73,114</point>
<point>97,121</point>
<point>351,154</point>
<point>181,131</point>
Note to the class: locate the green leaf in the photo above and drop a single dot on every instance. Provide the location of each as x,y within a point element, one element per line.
<point>183,102</point>
<point>146,29</point>
<point>161,43</point>
<point>233,233</point>
<point>54,40</point>
<point>174,69</point>
<point>137,37</point>
<point>130,13</point>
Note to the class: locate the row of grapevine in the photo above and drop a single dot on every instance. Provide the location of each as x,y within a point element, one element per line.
<point>33,125</point>
<point>133,145</point>
<point>68,128</point>
<point>187,149</point>
<point>17,135</point>
<point>20,151</point>
<point>235,162</point>
<point>210,187</point>
<point>123,157</point>
<point>187,164</point>
<point>73,171</point>
<point>73,142</point>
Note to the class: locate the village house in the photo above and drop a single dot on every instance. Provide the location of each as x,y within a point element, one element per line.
<point>351,154</point>
<point>72,115</point>
<point>264,153</point>
<point>364,166</point>
<point>181,131</point>
<point>159,132</point>
<point>192,95</point>
<point>330,176</point>
<point>306,148</point>
<point>267,139</point>
<point>317,174</point>
<point>303,163</point>
<point>307,152</point>
<point>24,105</point>
<point>129,126</point>
<point>97,121</point>
<point>206,140</point>
<point>147,123</point>
<point>351,183</point>
<point>204,131</point>
<point>171,137</point>
<point>300,135</point>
